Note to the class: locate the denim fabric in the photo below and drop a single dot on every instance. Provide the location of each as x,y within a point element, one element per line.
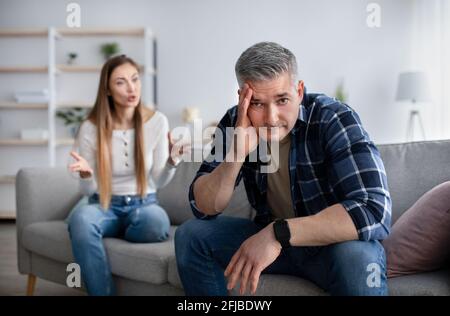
<point>205,247</point>
<point>131,217</point>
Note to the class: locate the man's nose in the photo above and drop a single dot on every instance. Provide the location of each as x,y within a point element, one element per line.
<point>271,115</point>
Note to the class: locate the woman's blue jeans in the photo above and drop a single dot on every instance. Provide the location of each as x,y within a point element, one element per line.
<point>130,217</point>
<point>205,247</point>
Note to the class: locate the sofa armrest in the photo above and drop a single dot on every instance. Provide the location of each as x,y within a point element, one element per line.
<point>42,194</point>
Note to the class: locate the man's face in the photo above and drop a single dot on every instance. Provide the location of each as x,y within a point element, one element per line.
<point>274,105</point>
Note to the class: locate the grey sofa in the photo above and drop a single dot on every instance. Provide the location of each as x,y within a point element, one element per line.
<point>45,196</point>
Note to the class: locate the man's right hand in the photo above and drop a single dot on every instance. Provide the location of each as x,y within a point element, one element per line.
<point>245,138</point>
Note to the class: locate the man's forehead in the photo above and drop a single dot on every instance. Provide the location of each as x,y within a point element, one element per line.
<point>271,92</point>
<point>271,88</point>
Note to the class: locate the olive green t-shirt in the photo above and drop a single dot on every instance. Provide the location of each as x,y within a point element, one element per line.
<point>278,183</point>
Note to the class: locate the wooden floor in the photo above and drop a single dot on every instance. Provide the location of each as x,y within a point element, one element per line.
<point>13,283</point>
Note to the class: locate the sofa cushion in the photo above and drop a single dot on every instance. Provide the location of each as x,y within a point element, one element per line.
<point>141,261</point>
<point>434,283</point>
<point>174,197</point>
<point>49,239</point>
<point>144,262</point>
<point>413,169</point>
<point>173,277</point>
<point>420,239</point>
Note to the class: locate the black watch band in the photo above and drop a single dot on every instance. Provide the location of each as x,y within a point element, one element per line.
<point>282,232</point>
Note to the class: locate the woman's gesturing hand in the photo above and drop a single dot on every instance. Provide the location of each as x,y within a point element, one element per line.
<point>177,149</point>
<point>81,166</point>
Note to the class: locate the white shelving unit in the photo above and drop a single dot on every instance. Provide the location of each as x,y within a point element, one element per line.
<point>53,70</point>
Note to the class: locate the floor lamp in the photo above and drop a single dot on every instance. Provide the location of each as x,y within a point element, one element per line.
<point>412,87</point>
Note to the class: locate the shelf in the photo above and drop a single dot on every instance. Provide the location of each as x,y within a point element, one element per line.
<point>55,72</point>
<point>7,214</point>
<point>70,105</point>
<point>101,32</point>
<point>24,69</point>
<point>38,142</point>
<point>23,32</point>
<point>68,68</point>
<point>86,105</point>
<point>65,142</point>
<point>92,68</point>
<point>42,32</point>
<point>22,142</point>
<point>7,179</point>
<point>23,106</point>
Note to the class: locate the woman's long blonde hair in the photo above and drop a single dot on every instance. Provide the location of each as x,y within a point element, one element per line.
<point>102,116</point>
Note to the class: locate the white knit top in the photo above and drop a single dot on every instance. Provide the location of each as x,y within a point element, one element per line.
<point>159,171</point>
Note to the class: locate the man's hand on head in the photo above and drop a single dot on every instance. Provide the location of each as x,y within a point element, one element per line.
<point>245,138</point>
<point>254,255</point>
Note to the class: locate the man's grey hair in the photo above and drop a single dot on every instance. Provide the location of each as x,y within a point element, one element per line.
<point>265,61</point>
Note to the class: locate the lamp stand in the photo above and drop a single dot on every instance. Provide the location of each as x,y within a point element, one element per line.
<point>413,114</point>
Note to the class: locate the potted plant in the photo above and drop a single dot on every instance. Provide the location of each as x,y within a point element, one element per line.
<point>71,57</point>
<point>73,118</point>
<point>340,94</point>
<point>109,49</point>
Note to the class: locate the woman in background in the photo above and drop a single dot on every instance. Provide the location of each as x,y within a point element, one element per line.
<point>123,158</point>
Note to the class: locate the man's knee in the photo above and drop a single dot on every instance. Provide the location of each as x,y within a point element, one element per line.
<point>185,236</point>
<point>193,229</point>
<point>355,252</point>
<point>358,268</point>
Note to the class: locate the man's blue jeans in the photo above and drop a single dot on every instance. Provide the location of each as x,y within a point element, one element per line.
<point>130,217</point>
<point>205,247</point>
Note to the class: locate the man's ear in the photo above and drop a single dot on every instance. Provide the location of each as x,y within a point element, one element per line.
<point>300,88</point>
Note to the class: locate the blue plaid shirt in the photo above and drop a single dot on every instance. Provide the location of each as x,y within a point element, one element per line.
<point>332,160</point>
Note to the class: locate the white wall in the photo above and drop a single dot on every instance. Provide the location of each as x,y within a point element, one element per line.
<point>200,40</point>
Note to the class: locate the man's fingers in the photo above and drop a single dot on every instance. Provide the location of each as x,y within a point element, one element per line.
<point>243,92</point>
<point>246,101</point>
<point>244,279</point>
<point>232,263</point>
<point>254,279</point>
<point>236,274</point>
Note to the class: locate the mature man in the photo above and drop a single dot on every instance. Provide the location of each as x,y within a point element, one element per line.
<point>319,216</point>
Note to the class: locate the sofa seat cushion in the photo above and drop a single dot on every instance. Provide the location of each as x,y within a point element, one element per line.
<point>141,261</point>
<point>435,283</point>
<point>269,284</point>
<point>144,262</point>
<point>173,277</point>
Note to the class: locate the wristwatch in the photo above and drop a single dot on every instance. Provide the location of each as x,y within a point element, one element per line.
<point>282,232</point>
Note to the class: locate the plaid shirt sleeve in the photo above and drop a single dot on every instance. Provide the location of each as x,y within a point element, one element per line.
<point>357,174</point>
<point>221,144</point>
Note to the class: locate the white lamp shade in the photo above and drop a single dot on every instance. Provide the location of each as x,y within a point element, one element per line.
<point>413,86</point>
